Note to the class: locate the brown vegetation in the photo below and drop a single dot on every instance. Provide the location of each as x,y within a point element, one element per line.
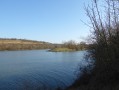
<point>22,44</point>
<point>70,46</point>
<point>75,46</point>
<point>104,50</point>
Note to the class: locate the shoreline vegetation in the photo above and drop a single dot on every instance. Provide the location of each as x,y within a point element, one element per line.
<point>103,72</point>
<point>62,50</point>
<point>13,44</point>
<point>70,46</point>
<point>7,44</point>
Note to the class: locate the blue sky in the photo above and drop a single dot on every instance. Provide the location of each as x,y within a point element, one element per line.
<point>44,20</point>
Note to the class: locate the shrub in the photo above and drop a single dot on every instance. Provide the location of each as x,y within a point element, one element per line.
<point>104,49</point>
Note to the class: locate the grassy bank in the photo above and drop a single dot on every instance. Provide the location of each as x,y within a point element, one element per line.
<point>62,50</point>
<point>22,44</point>
<point>69,46</point>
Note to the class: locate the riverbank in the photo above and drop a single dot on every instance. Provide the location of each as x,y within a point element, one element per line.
<point>62,50</point>
<point>23,44</point>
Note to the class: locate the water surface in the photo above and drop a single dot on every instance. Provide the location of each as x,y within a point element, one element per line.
<point>38,69</point>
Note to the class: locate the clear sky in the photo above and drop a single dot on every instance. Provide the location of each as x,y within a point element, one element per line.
<point>44,20</point>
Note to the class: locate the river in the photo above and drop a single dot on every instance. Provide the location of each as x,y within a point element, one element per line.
<point>38,69</point>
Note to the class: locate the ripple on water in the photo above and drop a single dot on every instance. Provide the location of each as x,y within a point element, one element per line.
<point>39,73</point>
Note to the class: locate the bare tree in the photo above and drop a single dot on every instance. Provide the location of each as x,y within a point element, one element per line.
<point>71,45</point>
<point>104,49</point>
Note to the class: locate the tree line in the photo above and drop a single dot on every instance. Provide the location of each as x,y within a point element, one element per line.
<point>72,44</point>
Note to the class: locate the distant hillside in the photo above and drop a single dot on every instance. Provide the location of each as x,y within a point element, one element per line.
<point>23,44</point>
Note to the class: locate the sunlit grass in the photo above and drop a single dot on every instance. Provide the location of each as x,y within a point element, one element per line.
<point>62,50</point>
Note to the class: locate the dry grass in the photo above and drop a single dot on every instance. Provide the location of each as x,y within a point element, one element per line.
<point>21,44</point>
<point>62,50</point>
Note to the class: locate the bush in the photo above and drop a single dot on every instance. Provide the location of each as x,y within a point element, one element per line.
<point>104,49</point>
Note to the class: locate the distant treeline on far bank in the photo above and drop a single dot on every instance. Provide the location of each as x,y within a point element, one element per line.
<point>70,46</point>
<point>23,44</point>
